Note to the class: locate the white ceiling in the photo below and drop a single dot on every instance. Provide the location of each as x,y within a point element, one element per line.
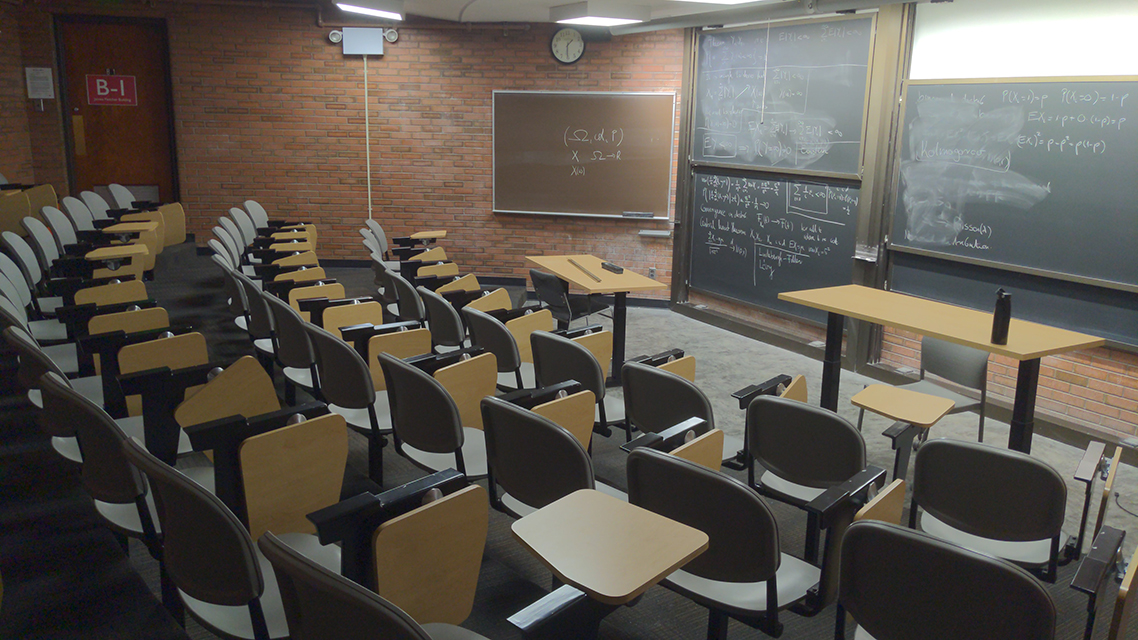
<point>664,14</point>
<point>538,10</point>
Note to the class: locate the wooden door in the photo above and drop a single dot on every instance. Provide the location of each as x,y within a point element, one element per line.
<point>117,109</point>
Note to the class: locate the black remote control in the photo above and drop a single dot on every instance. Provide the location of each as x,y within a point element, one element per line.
<point>608,266</point>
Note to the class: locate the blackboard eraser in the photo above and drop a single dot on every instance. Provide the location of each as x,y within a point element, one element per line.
<point>638,214</point>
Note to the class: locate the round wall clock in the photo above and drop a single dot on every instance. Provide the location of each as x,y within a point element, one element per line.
<point>567,45</point>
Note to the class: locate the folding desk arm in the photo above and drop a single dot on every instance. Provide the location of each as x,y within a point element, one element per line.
<point>835,510</point>
<point>162,390</point>
<point>671,438</point>
<point>352,522</point>
<point>224,437</point>
<point>660,358</point>
<point>584,331</point>
<point>76,317</point>
<point>107,346</point>
<point>768,388</point>
<point>360,334</point>
<point>316,306</point>
<point>280,288</point>
<point>530,398</point>
<point>1091,576</point>
<point>1093,463</point>
<point>432,362</point>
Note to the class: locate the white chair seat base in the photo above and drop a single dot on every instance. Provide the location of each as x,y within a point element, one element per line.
<point>794,577</point>
<point>529,378</point>
<point>1031,552</point>
<point>234,621</point>
<point>473,455</point>
<point>796,491</point>
<point>90,387</point>
<point>47,330</point>
<point>614,410</point>
<point>300,377</point>
<point>444,631</point>
<point>358,418</point>
<point>65,356</point>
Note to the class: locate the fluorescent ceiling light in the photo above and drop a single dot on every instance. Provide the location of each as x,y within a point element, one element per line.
<point>389,9</point>
<point>718,1</point>
<point>598,14</point>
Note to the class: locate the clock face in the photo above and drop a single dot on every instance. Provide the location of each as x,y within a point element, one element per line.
<point>567,46</point>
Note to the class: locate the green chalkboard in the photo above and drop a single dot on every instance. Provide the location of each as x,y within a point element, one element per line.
<point>1033,175</point>
<point>783,96</point>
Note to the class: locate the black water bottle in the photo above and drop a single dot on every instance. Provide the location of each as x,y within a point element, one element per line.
<point>1002,317</point>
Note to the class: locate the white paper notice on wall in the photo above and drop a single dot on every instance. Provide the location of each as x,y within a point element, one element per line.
<point>40,84</point>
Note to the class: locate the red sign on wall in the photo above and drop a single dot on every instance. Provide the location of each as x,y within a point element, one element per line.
<point>111,91</point>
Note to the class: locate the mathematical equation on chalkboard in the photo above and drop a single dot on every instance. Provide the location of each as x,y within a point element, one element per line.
<point>587,146</point>
<point>789,96</point>
<point>773,225</point>
<point>1032,173</point>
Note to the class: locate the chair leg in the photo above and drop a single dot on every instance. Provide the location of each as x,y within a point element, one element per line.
<point>717,622</point>
<point>257,616</point>
<point>840,623</point>
<point>813,534</point>
<point>860,415</point>
<point>374,449</point>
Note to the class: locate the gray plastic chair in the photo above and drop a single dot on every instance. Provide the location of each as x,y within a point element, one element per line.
<point>223,581</point>
<point>956,363</point>
<point>79,214</point>
<point>260,322</point>
<point>491,334</point>
<point>319,604</point>
<point>409,303</point>
<point>346,385</point>
<point>42,242</point>
<point>444,322</point>
<point>294,351</point>
<point>123,197</point>
<point>655,400</point>
<point>428,427</point>
<point>531,459</point>
<point>801,450</point>
<point>900,584</point>
<point>993,500</point>
<point>96,205</point>
<point>553,293</point>
<point>258,214</point>
<point>557,359</point>
<point>743,573</point>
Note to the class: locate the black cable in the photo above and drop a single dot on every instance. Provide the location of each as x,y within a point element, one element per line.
<point>1122,507</point>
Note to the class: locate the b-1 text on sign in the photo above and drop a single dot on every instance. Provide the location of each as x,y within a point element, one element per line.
<point>111,91</point>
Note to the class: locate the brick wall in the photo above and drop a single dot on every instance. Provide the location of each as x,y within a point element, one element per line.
<point>268,109</point>
<point>45,131</point>
<point>15,145</point>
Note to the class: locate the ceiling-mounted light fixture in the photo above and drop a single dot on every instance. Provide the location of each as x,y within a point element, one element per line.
<point>389,9</point>
<point>599,13</point>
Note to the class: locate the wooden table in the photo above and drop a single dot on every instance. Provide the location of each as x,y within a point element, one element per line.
<point>609,549</point>
<point>1027,341</point>
<point>429,235</point>
<point>601,281</point>
<point>117,251</point>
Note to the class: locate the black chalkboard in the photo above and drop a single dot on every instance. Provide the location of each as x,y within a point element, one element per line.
<point>783,96</point>
<point>583,153</point>
<point>1069,305</point>
<point>1037,174</point>
<point>755,238</point>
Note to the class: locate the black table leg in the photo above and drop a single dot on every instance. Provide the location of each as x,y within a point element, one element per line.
<point>619,318</point>
<point>832,361</point>
<point>1023,411</point>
